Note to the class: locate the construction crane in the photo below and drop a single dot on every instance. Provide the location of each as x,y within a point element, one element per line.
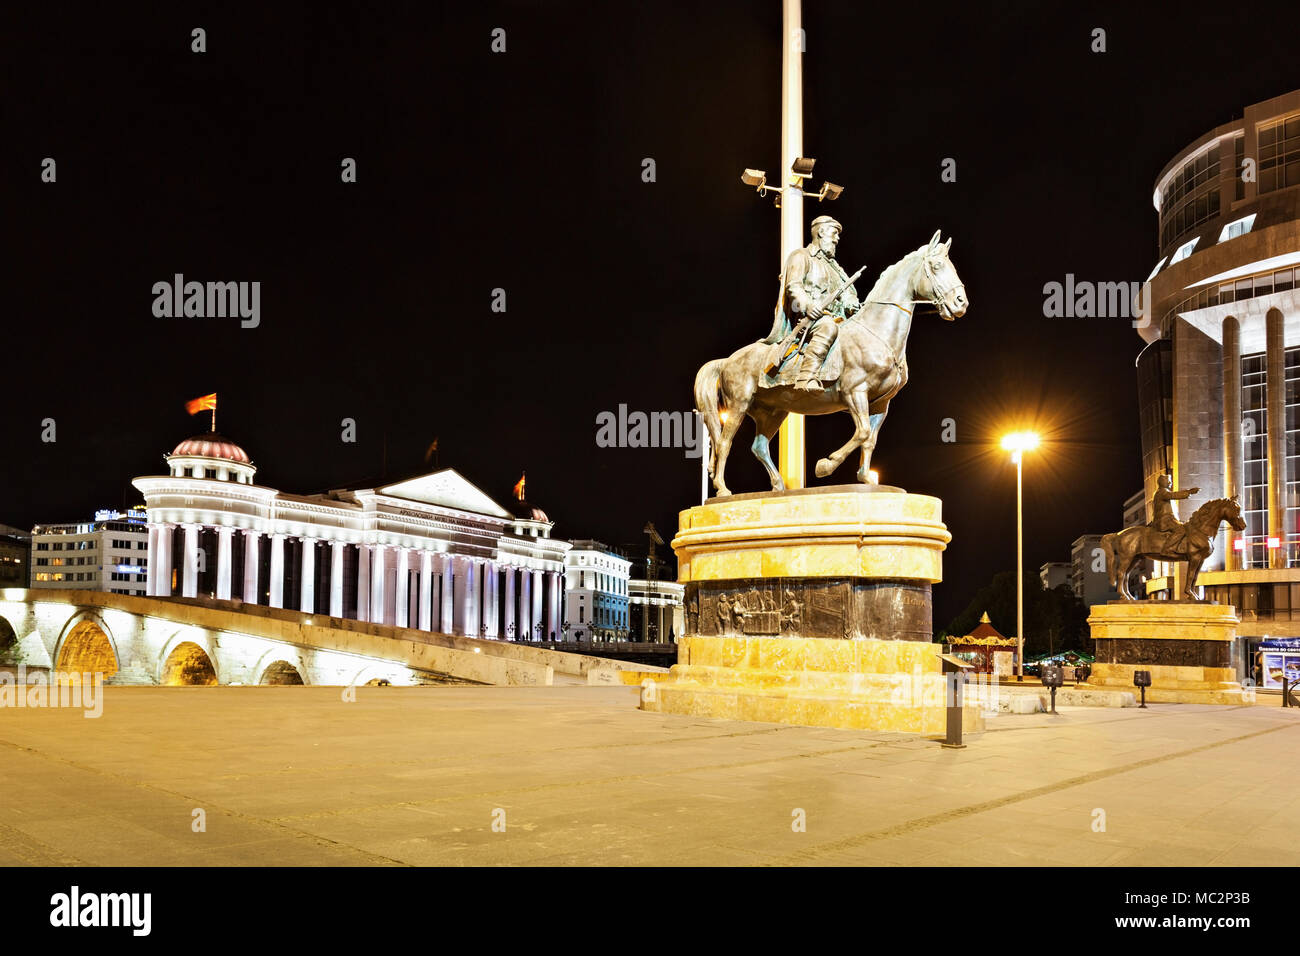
<point>652,562</point>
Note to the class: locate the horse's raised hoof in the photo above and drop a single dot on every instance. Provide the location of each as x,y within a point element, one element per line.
<point>824,467</point>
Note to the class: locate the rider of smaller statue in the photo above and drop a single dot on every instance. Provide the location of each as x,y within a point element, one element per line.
<point>811,277</point>
<point>1163,517</point>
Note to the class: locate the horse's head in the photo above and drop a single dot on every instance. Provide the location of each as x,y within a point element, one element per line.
<point>1212,512</point>
<point>1234,514</point>
<point>939,283</point>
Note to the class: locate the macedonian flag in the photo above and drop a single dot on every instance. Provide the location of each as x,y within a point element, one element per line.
<point>202,404</point>
<point>519,487</point>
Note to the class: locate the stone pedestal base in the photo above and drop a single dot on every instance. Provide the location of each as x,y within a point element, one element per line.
<point>810,607</point>
<point>1187,647</point>
<point>816,682</point>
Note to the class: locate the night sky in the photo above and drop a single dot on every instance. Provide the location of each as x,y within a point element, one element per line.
<point>522,171</point>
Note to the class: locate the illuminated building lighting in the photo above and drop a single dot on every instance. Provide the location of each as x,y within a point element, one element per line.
<point>1239,544</point>
<point>1274,543</point>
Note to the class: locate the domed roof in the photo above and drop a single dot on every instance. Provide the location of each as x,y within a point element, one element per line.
<point>527,511</point>
<point>211,445</point>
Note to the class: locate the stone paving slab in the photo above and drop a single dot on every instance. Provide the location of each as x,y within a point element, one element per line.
<point>414,776</point>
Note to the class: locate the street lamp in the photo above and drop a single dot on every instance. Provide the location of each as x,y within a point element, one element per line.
<point>1018,443</point>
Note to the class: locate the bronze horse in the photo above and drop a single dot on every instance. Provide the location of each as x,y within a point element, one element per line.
<point>1125,548</point>
<point>873,347</point>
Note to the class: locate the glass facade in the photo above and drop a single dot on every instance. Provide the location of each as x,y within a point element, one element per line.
<point>1192,196</point>
<point>1156,406</point>
<point>1254,434</point>
<point>1279,154</point>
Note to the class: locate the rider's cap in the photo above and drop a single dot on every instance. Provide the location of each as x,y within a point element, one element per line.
<point>825,220</point>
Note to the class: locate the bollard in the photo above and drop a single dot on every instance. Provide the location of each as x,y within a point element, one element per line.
<point>954,673</point>
<point>1142,679</point>
<point>1053,677</point>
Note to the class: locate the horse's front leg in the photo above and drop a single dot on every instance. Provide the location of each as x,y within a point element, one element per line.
<point>856,402</point>
<point>874,421</point>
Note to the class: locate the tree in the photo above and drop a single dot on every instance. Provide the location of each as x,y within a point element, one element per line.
<point>1055,620</point>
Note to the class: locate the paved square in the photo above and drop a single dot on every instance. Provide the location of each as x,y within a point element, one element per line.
<point>298,776</point>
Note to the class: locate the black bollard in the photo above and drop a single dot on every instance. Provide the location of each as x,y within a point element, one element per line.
<point>1142,679</point>
<point>1053,677</point>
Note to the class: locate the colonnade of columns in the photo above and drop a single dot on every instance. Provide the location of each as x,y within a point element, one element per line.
<point>404,587</point>
<point>1275,434</point>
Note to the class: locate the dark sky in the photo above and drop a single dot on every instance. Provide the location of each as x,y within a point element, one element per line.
<point>523,171</point>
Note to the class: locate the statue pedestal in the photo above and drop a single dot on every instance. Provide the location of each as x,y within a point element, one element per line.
<point>811,607</point>
<point>1187,646</point>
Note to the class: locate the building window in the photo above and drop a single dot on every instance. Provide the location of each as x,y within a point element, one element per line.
<point>1238,227</point>
<point>1184,250</point>
<point>1279,154</point>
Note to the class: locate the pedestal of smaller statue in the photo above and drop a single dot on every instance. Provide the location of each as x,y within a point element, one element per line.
<point>811,607</point>
<point>1186,645</point>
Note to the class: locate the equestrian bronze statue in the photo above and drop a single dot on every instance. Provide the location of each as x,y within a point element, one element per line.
<point>1168,539</point>
<point>841,354</point>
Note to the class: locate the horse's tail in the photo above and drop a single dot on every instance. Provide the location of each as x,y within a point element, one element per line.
<point>706,401</point>
<point>1109,545</point>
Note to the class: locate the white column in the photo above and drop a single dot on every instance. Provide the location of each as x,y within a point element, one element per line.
<point>426,590</point>
<point>553,615</point>
<point>447,608</point>
<point>277,571</point>
<point>251,560</point>
<point>466,618</point>
<point>402,595</point>
<point>336,578</point>
<point>525,630</point>
<point>537,606</point>
<point>225,541</point>
<point>507,631</point>
<point>190,581</point>
<point>151,556</point>
<point>490,598</point>
<point>377,596</point>
<point>307,600</point>
<point>363,583</point>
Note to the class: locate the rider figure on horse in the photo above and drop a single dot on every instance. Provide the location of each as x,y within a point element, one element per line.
<point>1164,519</point>
<point>811,277</point>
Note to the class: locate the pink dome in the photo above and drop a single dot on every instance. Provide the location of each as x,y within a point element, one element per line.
<point>211,445</point>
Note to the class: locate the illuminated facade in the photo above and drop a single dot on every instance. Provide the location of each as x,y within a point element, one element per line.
<point>107,554</point>
<point>596,602</point>
<point>431,552</point>
<point>1219,376</point>
<point>15,555</point>
<point>656,610</point>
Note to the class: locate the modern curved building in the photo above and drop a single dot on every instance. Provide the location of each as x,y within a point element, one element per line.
<point>431,552</point>
<point>1219,376</point>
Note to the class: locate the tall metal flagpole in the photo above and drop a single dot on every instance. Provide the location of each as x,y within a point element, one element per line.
<point>791,459</point>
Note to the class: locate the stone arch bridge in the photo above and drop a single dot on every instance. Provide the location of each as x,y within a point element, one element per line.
<point>153,640</point>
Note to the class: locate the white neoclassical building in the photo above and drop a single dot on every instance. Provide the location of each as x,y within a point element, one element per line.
<point>432,552</point>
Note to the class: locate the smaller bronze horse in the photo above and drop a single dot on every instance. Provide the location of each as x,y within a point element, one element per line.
<point>1125,548</point>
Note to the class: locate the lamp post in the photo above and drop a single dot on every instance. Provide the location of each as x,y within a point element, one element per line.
<point>795,168</point>
<point>1018,443</point>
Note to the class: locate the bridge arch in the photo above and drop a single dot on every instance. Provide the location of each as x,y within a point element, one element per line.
<point>188,658</point>
<point>373,673</point>
<point>280,665</point>
<point>87,646</point>
<point>8,640</point>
